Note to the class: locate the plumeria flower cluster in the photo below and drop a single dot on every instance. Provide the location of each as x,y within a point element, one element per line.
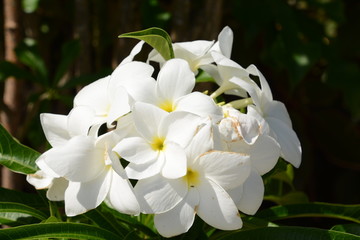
<point>186,153</point>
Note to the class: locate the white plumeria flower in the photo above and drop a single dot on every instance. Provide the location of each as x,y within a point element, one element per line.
<point>273,113</point>
<point>113,96</point>
<point>56,186</point>
<point>201,191</point>
<point>223,72</point>
<point>92,170</point>
<point>243,133</point>
<point>197,53</point>
<point>173,91</point>
<point>58,130</point>
<point>159,146</point>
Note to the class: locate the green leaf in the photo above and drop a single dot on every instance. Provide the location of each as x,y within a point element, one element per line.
<point>32,200</point>
<point>29,6</point>
<point>287,233</point>
<point>317,209</point>
<point>293,197</point>
<point>352,228</point>
<point>15,156</point>
<point>69,52</point>
<point>204,77</point>
<point>132,222</point>
<point>156,38</point>
<point>106,221</point>
<point>28,55</point>
<point>9,207</point>
<point>8,69</point>
<point>57,230</point>
<point>16,219</point>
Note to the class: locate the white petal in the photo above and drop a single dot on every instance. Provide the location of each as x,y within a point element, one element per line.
<point>147,118</point>
<point>40,180</point>
<point>251,87</point>
<point>136,150</point>
<point>175,79</point>
<point>55,128</point>
<point>133,53</point>
<point>265,88</point>
<point>225,40</point>
<point>56,192</point>
<point>278,110</point>
<point>120,105</point>
<point>41,163</point>
<point>264,154</point>
<point>125,73</point>
<point>197,48</point>
<point>200,104</point>
<point>175,161</point>
<point>179,127</point>
<point>252,194</point>
<point>217,208</point>
<point>137,80</point>
<point>121,195</point>
<point>201,142</point>
<point>81,197</point>
<point>80,120</point>
<point>228,169</point>
<point>288,140</point>
<point>95,96</point>
<point>179,219</point>
<point>158,194</point>
<point>148,169</point>
<point>249,128</point>
<point>78,160</point>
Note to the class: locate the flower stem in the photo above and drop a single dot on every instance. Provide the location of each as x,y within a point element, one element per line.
<point>240,103</point>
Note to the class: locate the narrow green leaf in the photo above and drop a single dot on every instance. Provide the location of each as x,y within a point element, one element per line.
<point>317,209</point>
<point>15,219</point>
<point>57,230</point>
<point>32,200</point>
<point>16,156</point>
<point>293,197</point>
<point>106,221</point>
<point>287,233</point>
<point>8,69</point>
<point>156,38</point>
<point>353,228</point>
<point>9,207</point>
<point>204,77</point>
<point>69,52</point>
<point>130,221</point>
<point>28,55</point>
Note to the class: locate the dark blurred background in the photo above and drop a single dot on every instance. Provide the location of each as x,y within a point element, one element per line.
<point>307,49</point>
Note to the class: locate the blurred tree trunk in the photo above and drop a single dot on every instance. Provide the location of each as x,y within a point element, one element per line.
<point>12,112</point>
<point>125,17</point>
<point>196,19</point>
<point>82,31</point>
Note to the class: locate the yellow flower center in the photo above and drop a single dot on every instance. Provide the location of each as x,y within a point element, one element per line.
<point>167,105</point>
<point>192,177</point>
<point>158,143</point>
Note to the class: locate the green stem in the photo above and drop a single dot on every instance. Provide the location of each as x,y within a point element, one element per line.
<point>240,103</point>
<point>218,92</point>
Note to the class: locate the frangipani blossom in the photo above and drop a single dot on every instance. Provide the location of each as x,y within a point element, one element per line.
<point>86,163</point>
<point>197,53</point>
<point>223,72</point>
<point>174,86</point>
<point>201,191</point>
<point>160,144</point>
<point>243,133</point>
<point>274,114</point>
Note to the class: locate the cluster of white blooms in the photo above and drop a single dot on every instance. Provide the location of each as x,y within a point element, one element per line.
<point>187,153</point>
